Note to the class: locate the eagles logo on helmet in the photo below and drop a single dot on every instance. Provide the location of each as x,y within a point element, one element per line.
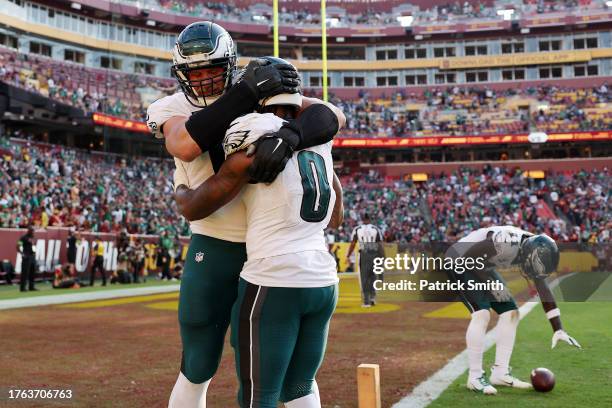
<point>540,256</point>
<point>203,45</point>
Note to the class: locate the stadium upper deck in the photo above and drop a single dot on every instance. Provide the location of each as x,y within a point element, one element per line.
<point>437,46</point>
<point>454,70</point>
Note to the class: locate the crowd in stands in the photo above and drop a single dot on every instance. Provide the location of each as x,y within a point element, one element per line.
<point>446,207</point>
<point>48,185</point>
<point>478,110</point>
<point>90,89</point>
<point>51,185</point>
<point>261,13</point>
<point>472,110</point>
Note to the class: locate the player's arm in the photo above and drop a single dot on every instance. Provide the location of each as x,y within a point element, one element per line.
<point>379,240</point>
<point>352,246</point>
<point>307,102</point>
<point>553,314</point>
<point>316,125</point>
<point>338,214</point>
<point>216,191</point>
<point>187,138</point>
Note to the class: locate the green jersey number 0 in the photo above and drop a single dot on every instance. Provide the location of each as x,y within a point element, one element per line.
<point>317,192</point>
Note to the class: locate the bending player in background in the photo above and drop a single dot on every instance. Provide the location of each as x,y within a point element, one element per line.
<point>193,123</point>
<point>538,257</point>
<point>288,286</point>
<point>370,240</point>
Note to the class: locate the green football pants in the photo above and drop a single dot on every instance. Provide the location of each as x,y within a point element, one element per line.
<point>279,337</point>
<point>208,290</point>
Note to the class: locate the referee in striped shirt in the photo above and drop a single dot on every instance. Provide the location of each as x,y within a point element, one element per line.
<point>370,246</point>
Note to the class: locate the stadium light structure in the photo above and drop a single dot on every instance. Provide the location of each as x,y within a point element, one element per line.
<point>405,21</point>
<point>75,6</point>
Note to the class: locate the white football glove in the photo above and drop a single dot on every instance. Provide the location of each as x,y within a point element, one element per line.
<point>562,335</point>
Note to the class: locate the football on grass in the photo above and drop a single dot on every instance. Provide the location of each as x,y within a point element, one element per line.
<point>542,379</point>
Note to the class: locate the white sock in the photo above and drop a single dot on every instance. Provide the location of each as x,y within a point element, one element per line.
<point>315,390</point>
<point>308,401</point>
<point>186,394</point>
<point>474,338</point>
<point>506,333</point>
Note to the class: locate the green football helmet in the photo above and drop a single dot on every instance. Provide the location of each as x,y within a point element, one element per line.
<point>203,45</point>
<point>539,256</point>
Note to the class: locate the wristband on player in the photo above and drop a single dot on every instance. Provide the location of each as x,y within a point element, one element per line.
<point>207,126</point>
<point>551,314</point>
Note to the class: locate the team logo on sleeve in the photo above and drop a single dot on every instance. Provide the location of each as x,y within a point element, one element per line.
<point>199,257</point>
<point>235,141</point>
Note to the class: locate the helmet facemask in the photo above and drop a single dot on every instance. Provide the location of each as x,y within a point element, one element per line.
<point>198,90</point>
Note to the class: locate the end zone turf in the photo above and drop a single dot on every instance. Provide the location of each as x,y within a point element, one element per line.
<point>583,376</point>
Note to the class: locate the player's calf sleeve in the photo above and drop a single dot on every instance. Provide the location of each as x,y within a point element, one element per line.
<point>506,334</point>
<point>474,339</point>
<point>186,394</point>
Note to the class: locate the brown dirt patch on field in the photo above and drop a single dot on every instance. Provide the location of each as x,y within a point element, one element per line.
<point>128,355</point>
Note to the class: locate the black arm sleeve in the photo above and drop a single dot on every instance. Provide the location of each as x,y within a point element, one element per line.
<point>318,125</point>
<point>207,126</point>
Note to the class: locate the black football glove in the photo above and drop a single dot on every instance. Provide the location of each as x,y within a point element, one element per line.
<point>267,80</point>
<point>272,152</point>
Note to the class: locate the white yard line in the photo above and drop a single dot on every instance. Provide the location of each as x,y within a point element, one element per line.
<point>83,297</point>
<point>430,389</point>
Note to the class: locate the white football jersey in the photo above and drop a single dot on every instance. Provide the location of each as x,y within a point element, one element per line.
<point>285,219</point>
<point>507,241</point>
<point>229,222</point>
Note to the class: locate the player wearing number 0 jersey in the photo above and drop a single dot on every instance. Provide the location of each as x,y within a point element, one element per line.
<point>502,246</point>
<point>288,286</point>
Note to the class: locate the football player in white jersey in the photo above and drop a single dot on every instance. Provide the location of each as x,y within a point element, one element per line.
<point>503,246</point>
<point>288,286</point>
<point>193,123</point>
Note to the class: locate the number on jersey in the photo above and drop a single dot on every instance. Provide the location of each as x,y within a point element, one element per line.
<point>317,192</point>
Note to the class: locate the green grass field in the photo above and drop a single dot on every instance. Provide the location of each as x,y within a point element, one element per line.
<point>45,289</point>
<point>583,376</point>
